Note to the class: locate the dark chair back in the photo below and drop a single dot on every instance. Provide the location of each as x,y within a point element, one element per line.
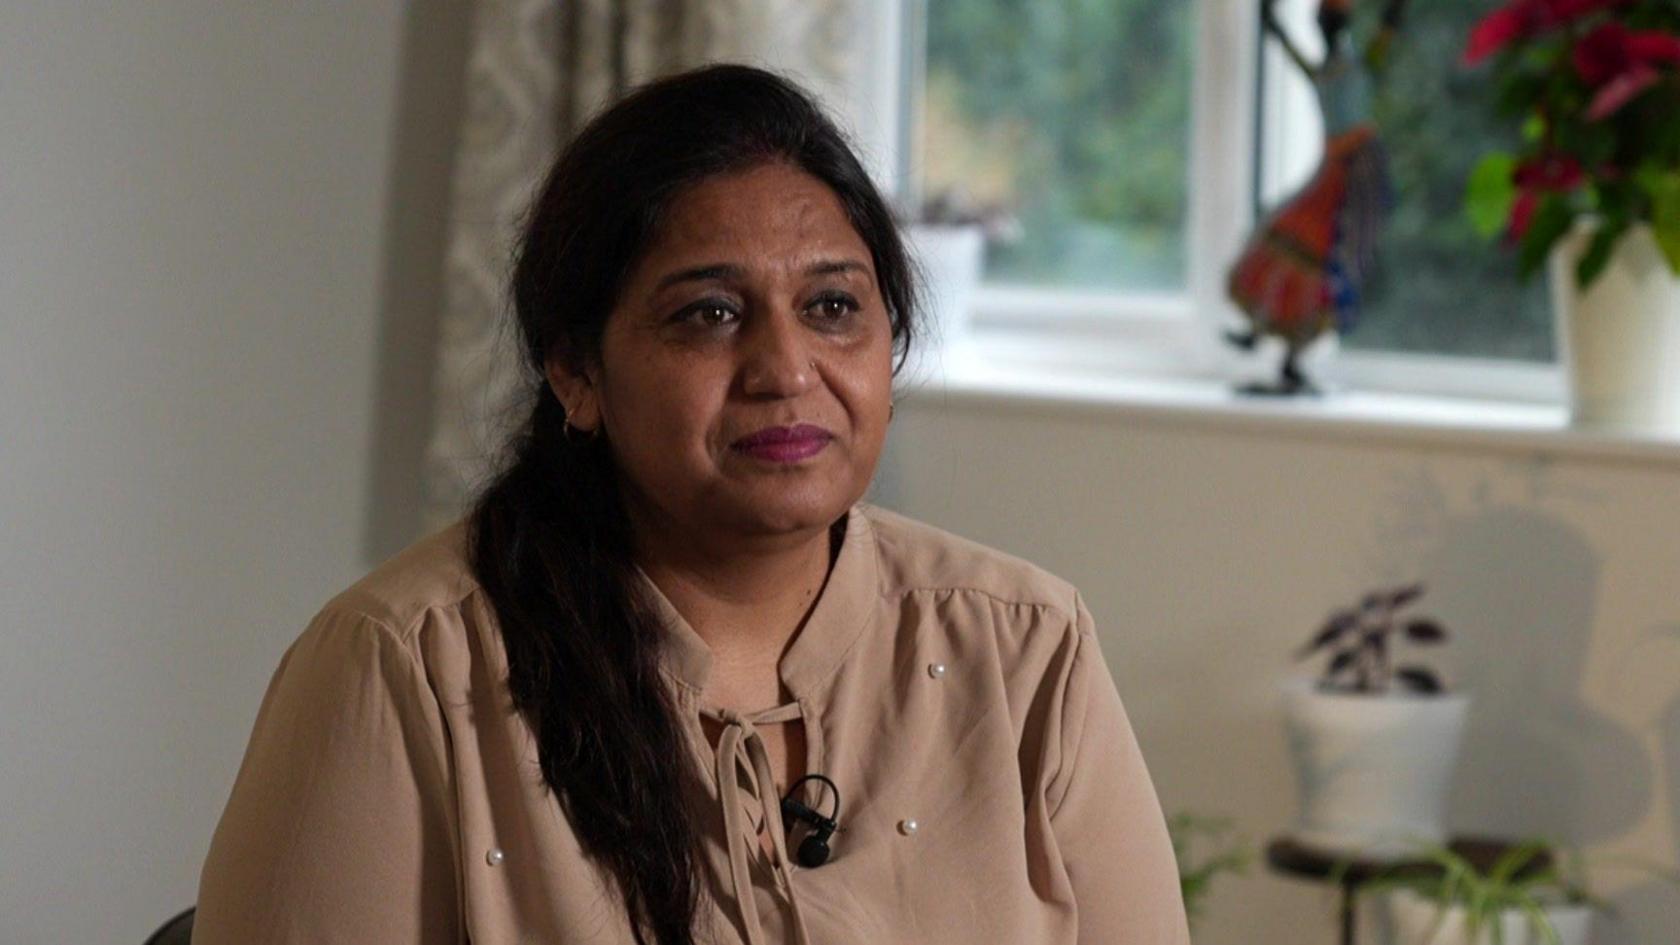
<point>177,931</point>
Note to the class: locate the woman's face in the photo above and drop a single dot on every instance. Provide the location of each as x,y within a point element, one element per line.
<point>745,376</point>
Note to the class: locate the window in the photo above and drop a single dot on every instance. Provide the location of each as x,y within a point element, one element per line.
<point>1075,119</point>
<point>1122,136</point>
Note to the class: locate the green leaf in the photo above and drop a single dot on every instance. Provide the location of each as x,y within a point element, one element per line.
<point>1662,187</point>
<point>1490,192</point>
<point>1518,92</point>
<point>1515,860</point>
<point>1668,240</point>
<point>1550,222</point>
<point>1539,922</point>
<point>1598,254</point>
<point>1195,877</point>
<point>1659,183</point>
<point>1591,143</point>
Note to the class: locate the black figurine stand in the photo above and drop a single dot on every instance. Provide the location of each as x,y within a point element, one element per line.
<point>1292,858</point>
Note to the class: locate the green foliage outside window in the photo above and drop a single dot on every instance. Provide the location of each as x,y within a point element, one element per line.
<point>1074,116</point>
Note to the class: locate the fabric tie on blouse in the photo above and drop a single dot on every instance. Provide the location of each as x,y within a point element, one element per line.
<point>740,747</point>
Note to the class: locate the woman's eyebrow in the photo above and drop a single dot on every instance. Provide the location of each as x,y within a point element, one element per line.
<point>713,272</point>
<point>831,267</point>
<point>708,273</point>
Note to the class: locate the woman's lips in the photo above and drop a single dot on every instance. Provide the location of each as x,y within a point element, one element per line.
<point>784,444</point>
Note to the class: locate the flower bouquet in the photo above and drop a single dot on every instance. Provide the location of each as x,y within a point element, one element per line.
<point>1596,86</point>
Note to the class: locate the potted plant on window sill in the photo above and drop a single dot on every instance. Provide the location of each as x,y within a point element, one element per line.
<point>1374,743</point>
<point>947,238</point>
<point>1595,191</point>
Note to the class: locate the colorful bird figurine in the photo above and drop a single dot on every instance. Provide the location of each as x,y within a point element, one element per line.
<point>1303,269</point>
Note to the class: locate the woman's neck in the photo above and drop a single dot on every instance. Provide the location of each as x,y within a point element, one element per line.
<point>747,601</point>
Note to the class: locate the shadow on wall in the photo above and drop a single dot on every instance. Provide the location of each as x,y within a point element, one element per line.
<point>1652,906</point>
<point>430,101</point>
<point>1521,587</point>
<point>1537,760</point>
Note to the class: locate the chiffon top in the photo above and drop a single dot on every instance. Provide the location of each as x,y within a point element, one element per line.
<point>991,786</point>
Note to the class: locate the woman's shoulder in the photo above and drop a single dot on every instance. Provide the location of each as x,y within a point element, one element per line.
<point>430,575</point>
<point>981,607</point>
<point>918,558</point>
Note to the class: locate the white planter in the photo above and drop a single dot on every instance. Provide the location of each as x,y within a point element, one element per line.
<point>950,258</point>
<point>1619,340</point>
<point>1418,921</point>
<point>1373,770</point>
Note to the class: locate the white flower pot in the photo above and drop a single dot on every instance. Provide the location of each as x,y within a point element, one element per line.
<point>1419,921</point>
<point>950,258</point>
<point>1373,771</point>
<point>1619,340</point>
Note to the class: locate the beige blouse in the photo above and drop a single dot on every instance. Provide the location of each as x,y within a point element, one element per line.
<point>991,788</point>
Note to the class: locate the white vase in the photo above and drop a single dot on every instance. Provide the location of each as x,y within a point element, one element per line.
<point>1620,339</point>
<point>1417,920</point>
<point>1373,770</point>
<point>950,259</point>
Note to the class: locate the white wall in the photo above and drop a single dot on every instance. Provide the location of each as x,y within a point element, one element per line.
<point>1208,550</point>
<point>192,346</point>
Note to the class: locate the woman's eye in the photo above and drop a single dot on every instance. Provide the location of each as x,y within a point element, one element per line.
<point>834,307</point>
<point>710,314</point>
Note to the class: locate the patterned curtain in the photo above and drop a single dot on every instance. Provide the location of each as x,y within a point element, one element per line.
<point>536,71</point>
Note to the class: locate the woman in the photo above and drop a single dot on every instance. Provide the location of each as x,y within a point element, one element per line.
<point>572,717</point>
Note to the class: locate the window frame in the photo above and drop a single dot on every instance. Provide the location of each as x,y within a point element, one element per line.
<point>1177,335</point>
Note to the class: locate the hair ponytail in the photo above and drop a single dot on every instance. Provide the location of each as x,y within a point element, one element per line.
<point>550,548</point>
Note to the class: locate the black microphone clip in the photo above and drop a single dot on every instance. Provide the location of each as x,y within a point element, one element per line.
<point>813,850</point>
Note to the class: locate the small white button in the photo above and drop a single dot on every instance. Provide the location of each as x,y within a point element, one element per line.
<point>908,826</point>
<point>494,857</point>
<point>936,670</point>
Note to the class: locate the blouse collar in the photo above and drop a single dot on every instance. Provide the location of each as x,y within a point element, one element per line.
<point>842,611</point>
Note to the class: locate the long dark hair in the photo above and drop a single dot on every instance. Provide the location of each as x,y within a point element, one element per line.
<point>550,538</point>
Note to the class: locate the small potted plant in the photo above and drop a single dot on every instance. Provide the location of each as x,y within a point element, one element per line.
<point>1374,741</point>
<point>947,235</point>
<point>1198,867</point>
<point>1594,189</point>
<point>1523,899</point>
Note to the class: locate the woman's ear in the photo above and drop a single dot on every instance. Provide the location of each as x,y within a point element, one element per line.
<point>577,392</point>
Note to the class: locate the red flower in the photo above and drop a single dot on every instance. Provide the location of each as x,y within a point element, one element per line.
<point>1612,48</point>
<point>1552,173</point>
<point>1522,215</point>
<point>1499,29</point>
<point>1620,64</point>
<point>1549,172</point>
<point>1619,91</point>
<point>1521,19</point>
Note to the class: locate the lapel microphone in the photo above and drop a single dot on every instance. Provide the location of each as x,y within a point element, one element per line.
<point>813,850</point>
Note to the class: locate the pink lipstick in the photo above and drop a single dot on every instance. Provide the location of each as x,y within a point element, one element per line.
<point>784,444</point>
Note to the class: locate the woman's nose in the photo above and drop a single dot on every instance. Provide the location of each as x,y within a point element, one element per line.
<point>776,361</point>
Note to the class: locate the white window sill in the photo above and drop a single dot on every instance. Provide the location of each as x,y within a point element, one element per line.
<point>968,379</point>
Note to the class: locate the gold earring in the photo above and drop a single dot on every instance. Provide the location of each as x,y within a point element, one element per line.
<point>566,429</point>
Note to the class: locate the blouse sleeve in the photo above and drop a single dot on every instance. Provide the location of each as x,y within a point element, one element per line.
<point>338,828</point>
<point>1105,814</point>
